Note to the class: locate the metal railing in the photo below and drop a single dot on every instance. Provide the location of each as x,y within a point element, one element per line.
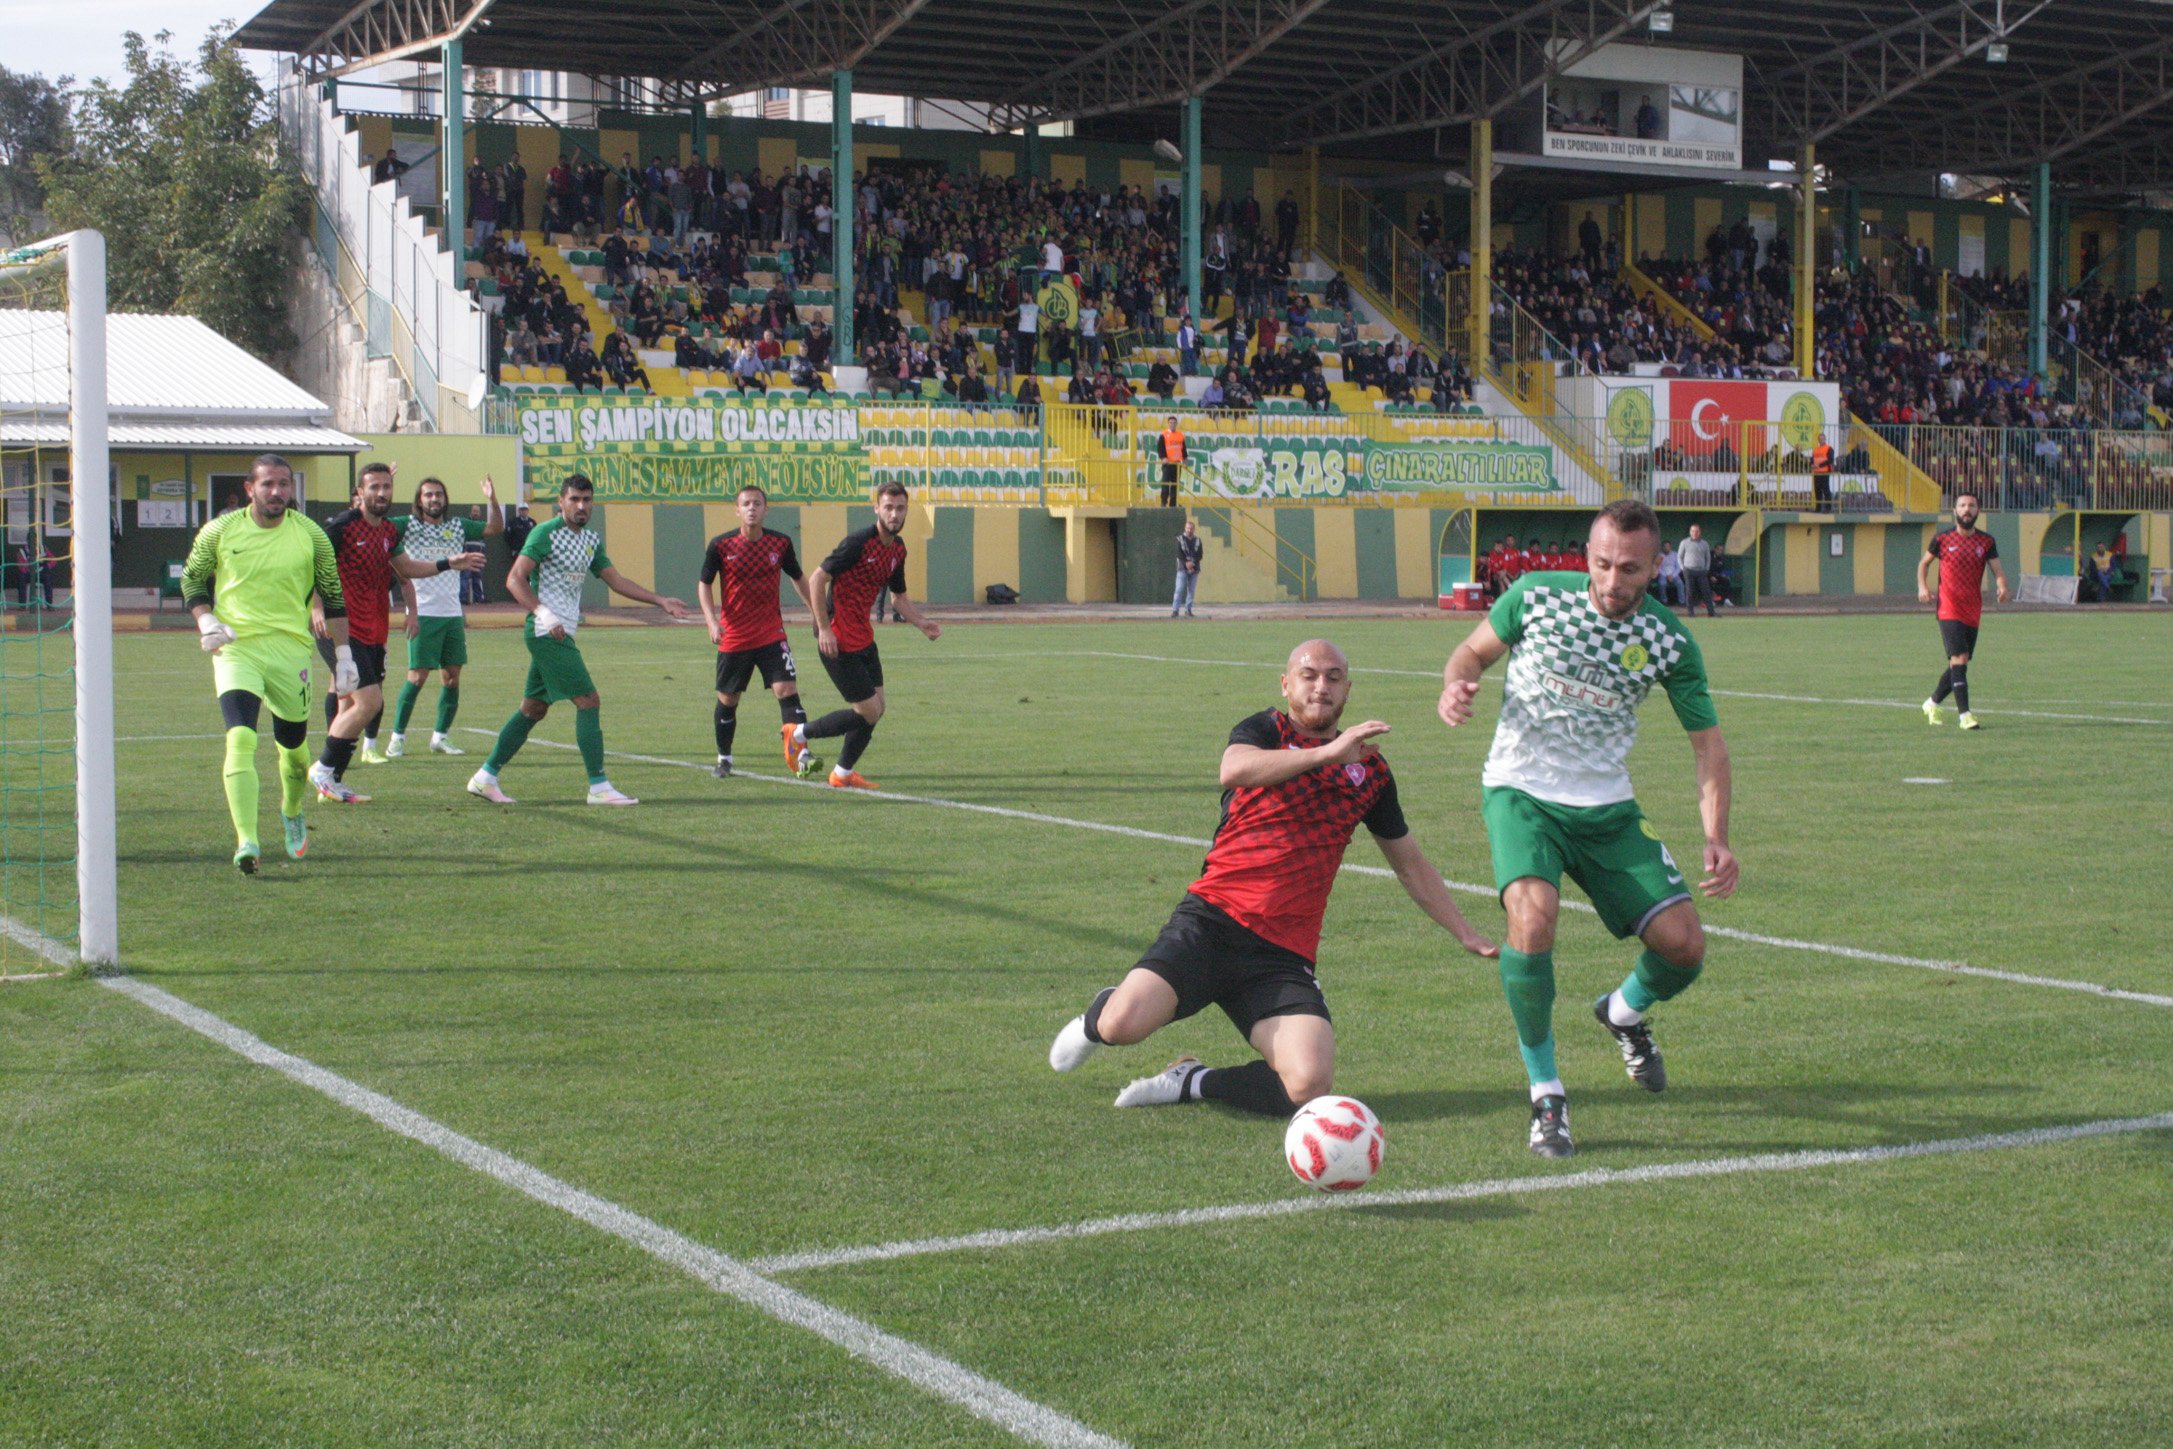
<point>2027,469</point>
<point>1294,570</point>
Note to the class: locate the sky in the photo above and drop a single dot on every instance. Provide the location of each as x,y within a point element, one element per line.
<point>82,38</point>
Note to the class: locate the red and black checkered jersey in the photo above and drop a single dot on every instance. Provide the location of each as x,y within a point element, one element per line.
<point>1277,850</point>
<point>750,611</point>
<point>364,550</point>
<point>859,568</point>
<point>1964,554</point>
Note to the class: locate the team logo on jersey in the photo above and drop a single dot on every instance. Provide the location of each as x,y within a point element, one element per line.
<point>1646,826</point>
<point>1356,774</point>
<point>1636,657</point>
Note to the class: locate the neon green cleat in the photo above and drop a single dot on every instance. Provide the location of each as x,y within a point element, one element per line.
<point>297,835</point>
<point>1969,721</point>
<point>245,859</point>
<point>369,755</point>
<point>1933,714</point>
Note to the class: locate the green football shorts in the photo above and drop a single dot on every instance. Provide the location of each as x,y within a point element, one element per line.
<point>556,670</point>
<point>273,667</point>
<point>438,642</point>
<point>1609,850</point>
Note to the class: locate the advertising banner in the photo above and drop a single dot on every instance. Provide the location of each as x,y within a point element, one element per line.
<point>1302,471</point>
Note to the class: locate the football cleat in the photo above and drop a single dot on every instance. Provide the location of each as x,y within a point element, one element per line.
<point>440,745</point>
<point>368,754</point>
<point>1639,1056</point>
<point>810,764</point>
<point>1071,1046</point>
<point>1933,714</point>
<point>245,858</point>
<point>795,750</point>
<point>1165,1088</point>
<point>297,835</point>
<point>484,786</point>
<point>851,780</point>
<point>1550,1127</point>
<point>339,792</point>
<point>610,794</point>
<point>396,747</point>
<point>1969,721</point>
<point>723,771</point>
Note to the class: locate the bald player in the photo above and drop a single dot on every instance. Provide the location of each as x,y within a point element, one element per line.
<point>1295,786</point>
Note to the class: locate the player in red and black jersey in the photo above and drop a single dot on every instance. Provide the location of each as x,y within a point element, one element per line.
<point>1963,553</point>
<point>1295,787</point>
<point>748,626</point>
<point>845,586</point>
<point>365,542</point>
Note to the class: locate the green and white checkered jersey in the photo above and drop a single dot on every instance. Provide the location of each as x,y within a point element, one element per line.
<point>438,596</point>
<point>564,556</point>
<point>1574,682</point>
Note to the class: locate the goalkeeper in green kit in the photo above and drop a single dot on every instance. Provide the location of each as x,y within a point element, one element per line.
<point>1584,651</point>
<point>248,581</point>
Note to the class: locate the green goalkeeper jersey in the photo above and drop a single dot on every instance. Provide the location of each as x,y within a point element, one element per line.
<point>259,579</point>
<point>1574,682</point>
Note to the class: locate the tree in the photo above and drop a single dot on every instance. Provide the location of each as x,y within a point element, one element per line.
<point>181,168</point>
<point>33,123</point>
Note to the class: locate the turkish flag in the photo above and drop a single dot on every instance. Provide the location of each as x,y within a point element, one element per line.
<point>1704,414</point>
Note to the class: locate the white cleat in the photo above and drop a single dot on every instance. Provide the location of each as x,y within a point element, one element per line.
<point>1071,1046</point>
<point>440,745</point>
<point>485,787</point>
<point>609,794</point>
<point>1164,1089</point>
<point>396,747</point>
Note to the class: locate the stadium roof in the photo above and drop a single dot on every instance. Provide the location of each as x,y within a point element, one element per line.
<point>170,382</point>
<point>1884,87</point>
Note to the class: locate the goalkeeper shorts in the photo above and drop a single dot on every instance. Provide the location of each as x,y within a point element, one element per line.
<point>274,669</point>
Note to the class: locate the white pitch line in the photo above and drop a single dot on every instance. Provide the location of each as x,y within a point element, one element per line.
<point>983,1397</point>
<point>1036,817</point>
<point>1455,1192</point>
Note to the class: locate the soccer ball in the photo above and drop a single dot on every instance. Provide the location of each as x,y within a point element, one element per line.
<point>1334,1144</point>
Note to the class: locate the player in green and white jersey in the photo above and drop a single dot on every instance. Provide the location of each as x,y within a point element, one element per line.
<point>248,580</point>
<point>437,630</point>
<point>558,558</point>
<point>1584,651</point>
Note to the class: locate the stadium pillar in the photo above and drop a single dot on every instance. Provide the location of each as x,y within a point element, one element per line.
<point>453,155</point>
<point>2040,265</point>
<point>1192,242</point>
<point>1312,199</point>
<point>844,213</point>
<point>700,132</point>
<point>1806,261</point>
<point>1033,150</point>
<point>1482,243</point>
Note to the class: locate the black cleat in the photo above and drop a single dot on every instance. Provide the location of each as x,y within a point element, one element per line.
<point>723,770</point>
<point>1550,1128</point>
<point>1640,1058</point>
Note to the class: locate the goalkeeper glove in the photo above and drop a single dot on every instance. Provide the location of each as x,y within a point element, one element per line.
<point>216,636</point>
<point>346,679</point>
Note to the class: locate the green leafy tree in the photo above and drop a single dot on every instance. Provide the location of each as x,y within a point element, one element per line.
<point>33,123</point>
<point>182,170</point>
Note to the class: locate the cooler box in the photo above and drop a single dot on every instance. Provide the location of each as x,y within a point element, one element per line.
<point>1465,598</point>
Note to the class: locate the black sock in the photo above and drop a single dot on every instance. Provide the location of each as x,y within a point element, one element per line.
<point>1254,1087</point>
<point>370,730</point>
<point>1094,1014</point>
<point>727,724</point>
<point>790,710</point>
<point>836,722</point>
<point>1960,675</point>
<point>855,742</point>
<point>338,754</point>
<point>331,709</point>
<point>1944,687</point>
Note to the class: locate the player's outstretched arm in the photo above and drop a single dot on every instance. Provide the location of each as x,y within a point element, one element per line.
<point>1715,789</point>
<point>620,584</point>
<point>1460,676</point>
<point>1424,885</point>
<point>494,517</point>
<point>1248,767</point>
<point>914,616</point>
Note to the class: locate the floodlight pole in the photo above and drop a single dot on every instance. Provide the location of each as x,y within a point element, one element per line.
<point>1481,303</point>
<point>452,156</point>
<point>844,212</point>
<point>2040,265</point>
<point>1192,211</point>
<point>1806,262</point>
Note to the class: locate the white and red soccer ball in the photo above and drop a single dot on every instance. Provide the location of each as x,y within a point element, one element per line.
<point>1334,1144</point>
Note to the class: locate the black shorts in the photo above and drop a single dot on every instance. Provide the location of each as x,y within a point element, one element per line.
<point>857,673</point>
<point>736,666</point>
<point>1210,960</point>
<point>1958,637</point>
<point>369,662</point>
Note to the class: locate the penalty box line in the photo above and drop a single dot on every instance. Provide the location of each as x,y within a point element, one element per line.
<point>1768,1162</point>
<point>1730,933</point>
<point>923,1368</point>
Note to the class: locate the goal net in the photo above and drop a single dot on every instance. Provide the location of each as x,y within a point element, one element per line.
<point>57,889</point>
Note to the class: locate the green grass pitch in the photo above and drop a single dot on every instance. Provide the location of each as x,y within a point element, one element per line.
<point>774,1018</point>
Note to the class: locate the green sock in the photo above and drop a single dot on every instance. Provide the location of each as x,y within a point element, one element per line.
<point>511,737</point>
<point>293,779</point>
<point>448,706</point>
<point>1656,979</point>
<point>588,733</point>
<point>409,693</point>
<point>241,782</point>
<point>1527,979</point>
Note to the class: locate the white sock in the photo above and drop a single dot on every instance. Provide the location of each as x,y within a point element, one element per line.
<point>399,737</point>
<point>799,735</point>
<point>1549,1089</point>
<point>437,737</point>
<point>839,772</point>
<point>1619,1012</point>
<point>724,759</point>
